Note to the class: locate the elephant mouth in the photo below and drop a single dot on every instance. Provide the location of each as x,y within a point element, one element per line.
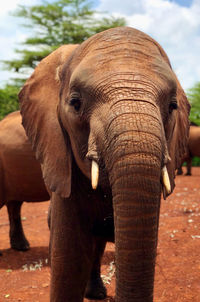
<point>99,175</point>
<point>105,228</point>
<point>95,168</point>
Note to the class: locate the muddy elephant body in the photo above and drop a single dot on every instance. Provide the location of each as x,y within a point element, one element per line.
<point>193,149</point>
<point>114,113</point>
<point>20,176</point>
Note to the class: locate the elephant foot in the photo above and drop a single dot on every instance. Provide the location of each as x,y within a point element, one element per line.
<point>20,244</point>
<point>95,290</point>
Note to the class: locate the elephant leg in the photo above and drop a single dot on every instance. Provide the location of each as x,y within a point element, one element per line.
<point>18,240</point>
<point>95,288</point>
<point>71,250</point>
<point>189,166</point>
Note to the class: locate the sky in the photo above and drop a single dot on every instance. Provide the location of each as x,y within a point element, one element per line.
<point>175,24</point>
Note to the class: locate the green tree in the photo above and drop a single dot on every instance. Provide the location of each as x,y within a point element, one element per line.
<point>194,98</point>
<point>8,100</point>
<point>193,95</point>
<point>49,25</point>
<point>53,24</point>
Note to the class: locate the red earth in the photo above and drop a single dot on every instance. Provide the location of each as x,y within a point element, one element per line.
<point>25,276</point>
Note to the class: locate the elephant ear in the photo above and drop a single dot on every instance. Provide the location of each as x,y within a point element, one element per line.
<point>39,99</point>
<point>178,144</point>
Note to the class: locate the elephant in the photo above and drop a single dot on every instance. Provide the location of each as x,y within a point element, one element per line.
<point>108,121</point>
<point>193,149</point>
<point>20,176</point>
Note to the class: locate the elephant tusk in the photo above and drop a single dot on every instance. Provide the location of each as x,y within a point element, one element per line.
<point>94,174</point>
<point>166,180</point>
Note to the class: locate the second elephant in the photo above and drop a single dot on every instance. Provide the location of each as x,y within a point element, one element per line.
<point>20,176</point>
<point>193,149</point>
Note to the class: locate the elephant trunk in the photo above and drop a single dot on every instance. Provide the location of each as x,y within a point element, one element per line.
<point>134,164</point>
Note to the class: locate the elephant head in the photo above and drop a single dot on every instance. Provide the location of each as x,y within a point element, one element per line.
<point>113,103</point>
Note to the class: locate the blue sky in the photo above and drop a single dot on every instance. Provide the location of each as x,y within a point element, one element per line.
<point>175,24</point>
<point>186,3</point>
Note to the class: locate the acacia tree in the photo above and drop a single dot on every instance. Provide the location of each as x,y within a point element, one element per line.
<point>55,23</point>
<point>50,24</point>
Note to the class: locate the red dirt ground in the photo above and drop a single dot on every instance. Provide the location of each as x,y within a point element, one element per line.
<point>25,276</point>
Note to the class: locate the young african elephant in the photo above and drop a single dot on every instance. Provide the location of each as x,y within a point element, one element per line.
<point>20,176</point>
<point>119,117</point>
<point>193,149</point>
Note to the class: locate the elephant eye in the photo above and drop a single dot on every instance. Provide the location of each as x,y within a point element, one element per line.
<point>173,106</point>
<point>76,103</point>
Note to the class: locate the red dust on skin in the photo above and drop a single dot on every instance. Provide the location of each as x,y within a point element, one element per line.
<point>25,276</point>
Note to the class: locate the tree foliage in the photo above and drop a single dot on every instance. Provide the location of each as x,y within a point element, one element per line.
<point>55,23</point>
<point>194,98</point>
<point>50,25</point>
<point>8,100</point>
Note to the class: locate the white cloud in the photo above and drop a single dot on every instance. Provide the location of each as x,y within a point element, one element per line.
<point>175,27</point>
<point>9,5</point>
<point>11,34</point>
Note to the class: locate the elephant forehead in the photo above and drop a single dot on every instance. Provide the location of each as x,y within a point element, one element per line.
<point>92,73</point>
<point>115,60</point>
<point>119,51</point>
<point>100,63</point>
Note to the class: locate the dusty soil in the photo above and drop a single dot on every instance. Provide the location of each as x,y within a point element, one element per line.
<point>25,276</point>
